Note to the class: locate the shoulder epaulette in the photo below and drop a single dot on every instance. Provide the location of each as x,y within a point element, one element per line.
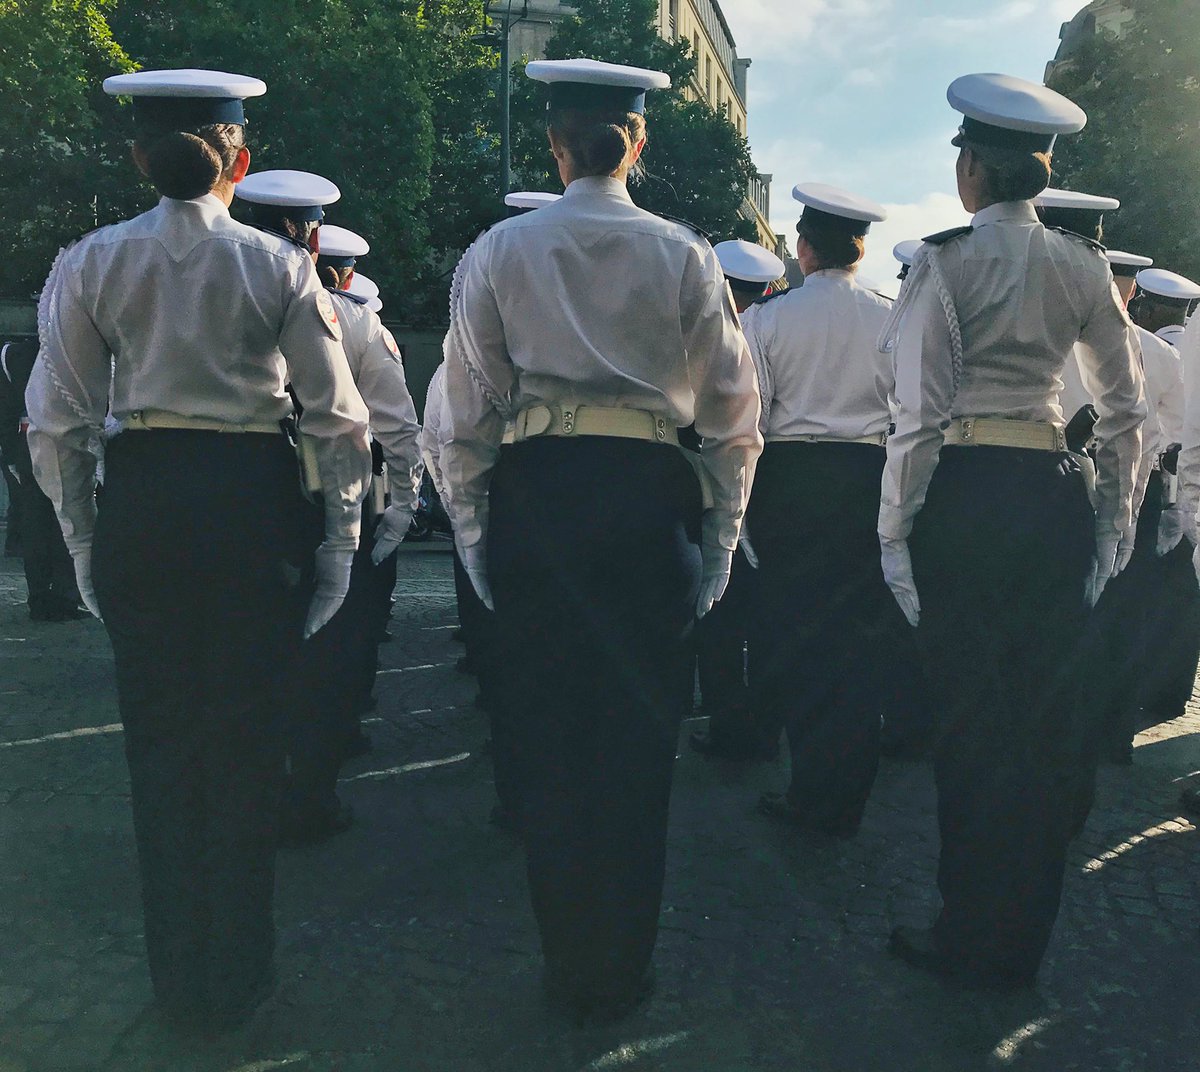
<point>1098,247</point>
<point>942,237</point>
<point>279,234</point>
<point>691,227</point>
<point>348,296</point>
<point>771,297</point>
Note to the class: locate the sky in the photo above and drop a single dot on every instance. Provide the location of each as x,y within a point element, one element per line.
<point>853,93</point>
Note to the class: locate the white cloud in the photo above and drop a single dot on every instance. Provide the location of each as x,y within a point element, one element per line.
<point>934,212</point>
<point>771,28</point>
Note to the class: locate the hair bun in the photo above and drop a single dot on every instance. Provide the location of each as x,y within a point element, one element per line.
<point>183,166</point>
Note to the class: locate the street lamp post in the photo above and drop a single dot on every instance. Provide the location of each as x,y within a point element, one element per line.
<point>498,38</point>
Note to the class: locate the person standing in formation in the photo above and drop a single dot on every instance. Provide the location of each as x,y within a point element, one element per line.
<point>819,623</point>
<point>582,337</point>
<point>336,672</point>
<point>1005,549</point>
<point>733,731</point>
<point>187,326</point>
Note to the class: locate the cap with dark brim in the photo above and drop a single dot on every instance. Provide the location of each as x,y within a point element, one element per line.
<point>593,85</point>
<point>828,208</point>
<point>185,99</point>
<point>297,195</point>
<point>748,266</point>
<point>1126,265</point>
<point>1003,112</point>
<point>1169,288</point>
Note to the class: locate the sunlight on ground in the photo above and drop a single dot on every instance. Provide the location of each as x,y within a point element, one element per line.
<point>634,1051</point>
<point>1010,1046</point>
<point>407,767</point>
<point>1178,825</point>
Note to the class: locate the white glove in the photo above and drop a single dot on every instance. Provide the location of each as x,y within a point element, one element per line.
<point>333,582</point>
<point>81,559</point>
<point>12,469</point>
<point>717,566</point>
<point>390,529</point>
<point>1105,566</point>
<point>474,560</point>
<point>898,572</point>
<point>748,548</point>
<point>1170,531</point>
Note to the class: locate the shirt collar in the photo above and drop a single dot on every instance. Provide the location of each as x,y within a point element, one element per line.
<point>1005,212</point>
<point>842,274</point>
<point>209,204</point>
<point>598,186</point>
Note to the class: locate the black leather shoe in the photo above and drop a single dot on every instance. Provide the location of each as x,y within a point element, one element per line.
<point>458,636</point>
<point>464,665</point>
<point>721,747</point>
<point>919,947</point>
<point>777,806</point>
<point>1189,800</point>
<point>358,745</point>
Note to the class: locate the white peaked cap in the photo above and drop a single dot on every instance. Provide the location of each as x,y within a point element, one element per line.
<point>1000,100</point>
<point>342,242</point>
<point>835,202</point>
<point>748,262</point>
<point>1071,199</point>
<point>290,189</point>
<point>596,73</point>
<point>1164,284</point>
<point>1122,259</point>
<point>184,83</point>
<point>530,199</point>
<point>905,251</point>
<point>362,287</point>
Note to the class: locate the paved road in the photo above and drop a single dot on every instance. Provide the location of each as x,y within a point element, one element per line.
<point>407,944</point>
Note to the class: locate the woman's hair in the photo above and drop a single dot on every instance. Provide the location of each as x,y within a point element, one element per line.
<point>275,218</point>
<point>599,141</point>
<point>332,276</point>
<point>832,245</point>
<point>1009,175</point>
<point>1085,222</point>
<point>185,164</point>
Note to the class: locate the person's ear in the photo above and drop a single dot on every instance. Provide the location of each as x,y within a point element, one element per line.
<point>241,164</point>
<point>636,154</point>
<point>139,159</point>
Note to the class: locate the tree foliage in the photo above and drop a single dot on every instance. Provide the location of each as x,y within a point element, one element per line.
<point>61,155</point>
<point>1142,142</point>
<point>698,166</point>
<point>346,98</point>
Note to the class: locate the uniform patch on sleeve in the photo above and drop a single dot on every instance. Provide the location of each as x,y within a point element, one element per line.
<point>329,315</point>
<point>390,342</point>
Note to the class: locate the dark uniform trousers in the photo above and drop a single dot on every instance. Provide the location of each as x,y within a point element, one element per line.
<point>820,637</point>
<point>594,562</point>
<point>334,675</point>
<point>188,564</point>
<point>721,660</point>
<point>49,573</point>
<point>1002,552</point>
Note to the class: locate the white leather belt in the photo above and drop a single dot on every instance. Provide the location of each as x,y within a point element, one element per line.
<point>566,419</point>
<point>877,440</point>
<point>145,420</point>
<point>997,432</point>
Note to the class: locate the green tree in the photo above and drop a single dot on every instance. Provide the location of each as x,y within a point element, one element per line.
<point>697,165</point>
<point>61,156</point>
<point>346,98</point>
<point>1142,141</point>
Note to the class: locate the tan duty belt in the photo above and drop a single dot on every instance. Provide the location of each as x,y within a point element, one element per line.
<point>997,432</point>
<point>145,420</point>
<point>566,419</point>
<point>877,440</point>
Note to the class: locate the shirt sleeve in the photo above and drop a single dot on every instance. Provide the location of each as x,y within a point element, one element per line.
<point>1189,456</point>
<point>758,331</point>
<point>728,407</point>
<point>393,416</point>
<point>924,364</point>
<point>67,399</point>
<point>1112,373</point>
<point>479,381</point>
<point>431,430</point>
<point>335,417</point>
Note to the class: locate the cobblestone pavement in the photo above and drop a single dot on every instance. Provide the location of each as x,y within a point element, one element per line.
<point>407,944</point>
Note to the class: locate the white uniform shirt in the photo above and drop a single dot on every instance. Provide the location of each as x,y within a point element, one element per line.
<point>431,429</point>
<point>595,301</point>
<point>819,366</point>
<point>185,310</point>
<point>379,375</point>
<point>1024,296</point>
<point>1172,333</point>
